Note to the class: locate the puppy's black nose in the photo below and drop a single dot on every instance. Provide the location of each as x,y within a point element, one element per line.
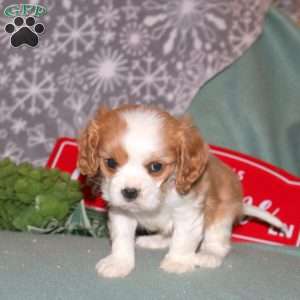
<point>130,194</point>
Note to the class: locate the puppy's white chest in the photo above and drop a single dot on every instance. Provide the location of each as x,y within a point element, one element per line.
<point>162,220</point>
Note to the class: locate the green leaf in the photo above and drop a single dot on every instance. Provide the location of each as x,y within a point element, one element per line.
<point>10,193</point>
<point>5,162</point>
<point>54,173</point>
<point>48,183</point>
<point>25,198</point>
<point>8,170</point>
<point>35,188</point>
<point>21,185</point>
<point>60,187</point>
<point>65,176</point>
<point>74,196</point>
<point>74,185</point>
<point>28,218</point>
<point>25,168</point>
<point>35,174</point>
<point>34,197</point>
<point>48,205</point>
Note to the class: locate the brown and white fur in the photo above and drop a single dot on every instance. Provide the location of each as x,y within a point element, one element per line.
<point>157,173</point>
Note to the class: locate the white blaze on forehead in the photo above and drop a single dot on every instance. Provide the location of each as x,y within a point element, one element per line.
<point>143,135</point>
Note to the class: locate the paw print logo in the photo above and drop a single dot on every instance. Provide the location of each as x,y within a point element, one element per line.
<point>24,31</point>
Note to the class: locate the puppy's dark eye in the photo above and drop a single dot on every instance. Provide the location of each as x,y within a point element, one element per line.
<point>111,163</point>
<point>154,167</point>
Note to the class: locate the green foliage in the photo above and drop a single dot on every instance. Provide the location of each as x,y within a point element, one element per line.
<point>34,196</point>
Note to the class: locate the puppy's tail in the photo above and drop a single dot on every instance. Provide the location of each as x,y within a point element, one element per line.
<point>259,213</point>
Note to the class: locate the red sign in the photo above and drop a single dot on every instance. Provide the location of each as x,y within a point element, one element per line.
<point>264,185</point>
<point>269,188</point>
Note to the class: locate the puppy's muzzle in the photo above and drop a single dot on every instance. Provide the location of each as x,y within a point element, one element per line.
<point>130,194</point>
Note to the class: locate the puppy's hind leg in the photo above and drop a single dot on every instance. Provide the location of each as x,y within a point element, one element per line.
<point>215,245</point>
<point>155,241</point>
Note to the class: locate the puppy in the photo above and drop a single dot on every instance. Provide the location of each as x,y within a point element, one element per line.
<point>157,173</point>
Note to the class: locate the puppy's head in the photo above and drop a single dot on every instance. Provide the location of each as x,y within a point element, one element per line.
<point>137,150</point>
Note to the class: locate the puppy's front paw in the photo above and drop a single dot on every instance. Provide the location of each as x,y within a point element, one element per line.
<point>209,260</point>
<point>112,267</point>
<point>178,264</point>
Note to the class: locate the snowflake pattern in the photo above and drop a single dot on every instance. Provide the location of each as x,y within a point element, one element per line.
<point>4,78</point>
<point>33,91</point>
<point>134,39</point>
<point>187,83</point>
<point>14,61</point>
<point>131,11</point>
<point>65,128</point>
<point>108,15</point>
<point>107,37</point>
<point>242,31</point>
<point>4,111</point>
<point>148,79</point>
<point>72,76</point>
<point>45,53</point>
<point>182,21</point>
<point>114,52</point>
<point>107,70</point>
<point>4,37</point>
<point>13,151</point>
<point>36,136</point>
<point>18,125</point>
<point>76,101</point>
<point>3,135</point>
<point>74,34</point>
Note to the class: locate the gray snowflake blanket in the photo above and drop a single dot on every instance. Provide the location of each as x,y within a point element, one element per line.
<point>55,69</point>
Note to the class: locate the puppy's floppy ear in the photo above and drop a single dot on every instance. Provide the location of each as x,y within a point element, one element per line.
<point>192,156</point>
<point>89,142</point>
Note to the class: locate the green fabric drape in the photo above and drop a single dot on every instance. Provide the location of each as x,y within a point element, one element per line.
<point>254,105</point>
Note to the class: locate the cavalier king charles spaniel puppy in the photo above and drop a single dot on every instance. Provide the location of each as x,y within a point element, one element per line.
<point>157,173</point>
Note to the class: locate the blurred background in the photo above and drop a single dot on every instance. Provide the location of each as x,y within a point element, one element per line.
<point>112,52</point>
